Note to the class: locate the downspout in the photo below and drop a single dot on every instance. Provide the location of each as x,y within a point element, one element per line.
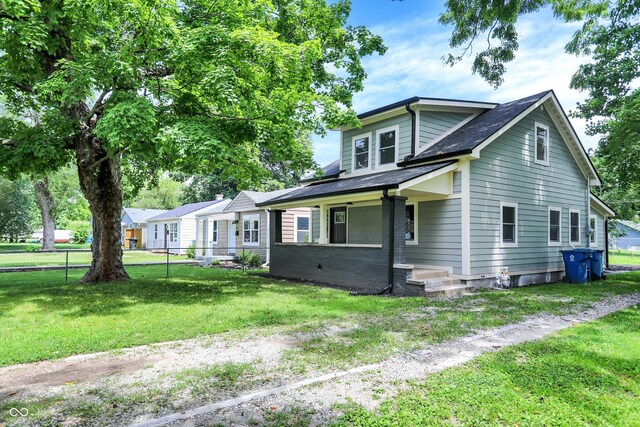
<point>268,255</point>
<point>606,242</point>
<point>388,288</point>
<point>413,133</point>
<point>589,214</point>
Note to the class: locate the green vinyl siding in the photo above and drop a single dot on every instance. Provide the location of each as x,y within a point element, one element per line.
<point>507,172</point>
<point>457,182</point>
<point>364,225</point>
<point>434,124</point>
<point>404,123</point>
<point>439,235</point>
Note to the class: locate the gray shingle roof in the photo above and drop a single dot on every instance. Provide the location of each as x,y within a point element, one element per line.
<point>140,215</point>
<point>263,196</point>
<point>358,184</point>
<point>184,210</point>
<point>475,132</point>
<point>329,171</point>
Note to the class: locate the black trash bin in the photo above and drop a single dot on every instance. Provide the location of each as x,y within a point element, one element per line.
<point>133,243</point>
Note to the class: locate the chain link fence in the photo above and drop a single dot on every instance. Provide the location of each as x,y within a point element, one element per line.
<point>70,265</point>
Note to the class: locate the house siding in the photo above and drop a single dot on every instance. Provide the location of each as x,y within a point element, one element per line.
<point>434,124</point>
<point>315,225</point>
<point>364,224</point>
<point>507,172</point>
<point>404,143</point>
<point>439,235</point>
<point>457,182</point>
<point>241,203</point>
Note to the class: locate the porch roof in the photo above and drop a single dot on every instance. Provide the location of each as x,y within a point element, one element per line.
<point>358,184</point>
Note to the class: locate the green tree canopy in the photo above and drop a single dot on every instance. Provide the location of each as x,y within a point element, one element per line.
<point>197,86</point>
<point>18,209</point>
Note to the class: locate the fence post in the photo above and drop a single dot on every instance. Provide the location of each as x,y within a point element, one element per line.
<point>66,267</point>
<point>167,262</point>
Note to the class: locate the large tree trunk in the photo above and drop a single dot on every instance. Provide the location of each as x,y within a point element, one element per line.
<point>46,204</point>
<point>100,177</point>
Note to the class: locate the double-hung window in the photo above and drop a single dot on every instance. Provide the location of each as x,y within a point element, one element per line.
<point>361,151</point>
<point>574,226</point>
<point>542,144</point>
<point>593,224</point>
<point>251,229</point>
<point>214,232</point>
<point>387,145</point>
<point>155,232</point>
<point>302,229</point>
<point>411,233</point>
<point>508,224</point>
<point>555,226</point>
<point>173,232</point>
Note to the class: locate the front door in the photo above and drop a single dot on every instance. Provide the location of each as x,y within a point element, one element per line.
<point>232,237</point>
<point>338,226</point>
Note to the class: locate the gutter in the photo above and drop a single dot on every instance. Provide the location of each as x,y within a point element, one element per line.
<point>411,155</point>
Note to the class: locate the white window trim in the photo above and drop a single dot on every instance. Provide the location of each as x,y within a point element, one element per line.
<point>353,152</point>
<point>414,242</point>
<point>535,144</point>
<point>155,232</point>
<point>396,148</point>
<point>515,231</point>
<point>171,233</point>
<point>594,244</point>
<point>250,218</point>
<point>295,227</point>
<point>558,243</point>
<point>579,219</point>
<point>215,226</point>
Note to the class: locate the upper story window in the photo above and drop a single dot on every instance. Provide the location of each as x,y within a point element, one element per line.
<point>387,139</point>
<point>542,144</point>
<point>508,224</point>
<point>574,226</point>
<point>361,151</point>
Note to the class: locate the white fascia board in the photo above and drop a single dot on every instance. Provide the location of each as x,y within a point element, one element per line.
<point>600,207</point>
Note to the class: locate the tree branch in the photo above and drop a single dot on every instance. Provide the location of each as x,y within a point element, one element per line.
<point>97,104</point>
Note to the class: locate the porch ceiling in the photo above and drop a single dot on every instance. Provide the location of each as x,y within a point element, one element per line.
<point>362,184</point>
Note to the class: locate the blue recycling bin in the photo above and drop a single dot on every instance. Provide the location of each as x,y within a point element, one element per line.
<point>597,264</point>
<point>577,264</point>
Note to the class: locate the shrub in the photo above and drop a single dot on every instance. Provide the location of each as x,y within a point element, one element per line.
<point>250,259</point>
<point>215,262</point>
<point>81,231</point>
<point>191,251</point>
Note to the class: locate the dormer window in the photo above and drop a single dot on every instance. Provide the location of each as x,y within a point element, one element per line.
<point>387,141</point>
<point>361,152</point>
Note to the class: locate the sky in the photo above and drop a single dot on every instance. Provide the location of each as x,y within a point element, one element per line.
<point>413,66</point>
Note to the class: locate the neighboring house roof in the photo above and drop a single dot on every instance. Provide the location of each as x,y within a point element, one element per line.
<point>630,224</point>
<point>427,100</point>
<point>369,182</point>
<point>140,215</point>
<point>184,210</point>
<point>260,197</point>
<point>476,131</point>
<point>332,170</point>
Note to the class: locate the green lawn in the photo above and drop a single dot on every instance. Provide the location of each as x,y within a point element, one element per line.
<point>41,259</point>
<point>41,317</point>
<point>586,375</point>
<point>12,247</point>
<point>620,257</point>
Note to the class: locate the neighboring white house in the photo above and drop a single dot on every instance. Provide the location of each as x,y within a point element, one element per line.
<point>242,226</point>
<point>176,229</point>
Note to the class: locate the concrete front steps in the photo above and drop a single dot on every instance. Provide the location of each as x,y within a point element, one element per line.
<point>437,283</point>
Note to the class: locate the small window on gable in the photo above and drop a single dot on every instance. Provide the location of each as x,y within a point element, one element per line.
<point>555,226</point>
<point>593,223</point>
<point>361,152</point>
<point>387,143</point>
<point>574,226</point>
<point>542,144</point>
<point>509,224</point>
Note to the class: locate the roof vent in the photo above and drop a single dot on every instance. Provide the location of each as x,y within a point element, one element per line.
<point>219,196</point>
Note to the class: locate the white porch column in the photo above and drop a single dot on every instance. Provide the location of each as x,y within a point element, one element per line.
<point>209,239</point>
<point>198,237</point>
<point>323,240</point>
